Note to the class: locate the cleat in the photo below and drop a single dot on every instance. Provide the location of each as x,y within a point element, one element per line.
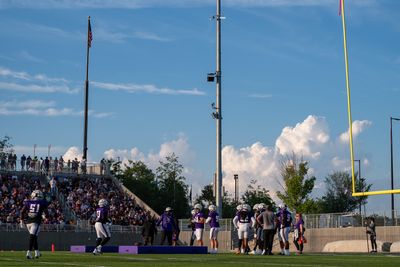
<point>37,254</point>
<point>29,255</point>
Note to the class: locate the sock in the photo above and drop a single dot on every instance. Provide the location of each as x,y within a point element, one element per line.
<point>31,242</point>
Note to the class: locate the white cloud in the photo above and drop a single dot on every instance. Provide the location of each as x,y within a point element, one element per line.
<point>260,96</point>
<point>43,108</point>
<point>27,56</point>
<point>22,81</point>
<point>357,127</point>
<point>72,153</point>
<point>147,88</point>
<point>309,139</point>
<point>150,36</point>
<point>305,138</point>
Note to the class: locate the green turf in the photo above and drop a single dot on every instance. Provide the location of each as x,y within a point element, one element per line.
<point>111,260</point>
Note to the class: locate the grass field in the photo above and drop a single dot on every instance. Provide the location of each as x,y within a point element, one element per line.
<point>110,260</point>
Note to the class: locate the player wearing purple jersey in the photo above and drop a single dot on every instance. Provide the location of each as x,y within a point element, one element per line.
<point>32,214</point>
<point>102,226</point>
<point>199,221</point>
<point>167,223</point>
<point>285,222</point>
<point>213,219</point>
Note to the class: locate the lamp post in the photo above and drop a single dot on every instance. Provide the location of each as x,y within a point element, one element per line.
<point>236,178</point>
<point>391,164</point>
<point>217,114</point>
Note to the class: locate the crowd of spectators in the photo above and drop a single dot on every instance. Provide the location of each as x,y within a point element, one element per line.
<point>82,196</point>
<point>14,190</point>
<point>47,165</point>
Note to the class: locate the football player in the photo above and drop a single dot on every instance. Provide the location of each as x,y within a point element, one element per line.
<point>32,213</point>
<point>243,222</point>
<point>213,219</point>
<point>285,220</point>
<point>102,226</point>
<point>199,223</point>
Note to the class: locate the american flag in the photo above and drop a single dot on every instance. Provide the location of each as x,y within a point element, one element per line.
<point>90,36</point>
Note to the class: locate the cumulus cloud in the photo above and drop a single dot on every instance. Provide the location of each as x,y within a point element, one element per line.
<point>309,139</point>
<point>179,146</point>
<point>305,138</point>
<point>357,127</point>
<point>72,153</point>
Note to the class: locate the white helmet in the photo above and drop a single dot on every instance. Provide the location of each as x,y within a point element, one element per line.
<point>262,206</point>
<point>256,206</point>
<point>212,207</point>
<point>168,209</point>
<point>37,195</point>
<point>193,212</point>
<point>103,203</point>
<point>239,207</point>
<point>198,206</point>
<point>246,207</point>
<point>282,206</point>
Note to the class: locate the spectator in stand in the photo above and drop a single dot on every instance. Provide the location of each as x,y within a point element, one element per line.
<point>28,163</point>
<point>23,161</point>
<point>53,187</point>
<point>55,164</point>
<point>102,166</point>
<point>61,164</point>
<point>46,165</point>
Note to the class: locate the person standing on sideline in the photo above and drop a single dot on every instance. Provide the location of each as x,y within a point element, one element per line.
<point>199,221</point>
<point>32,213</point>
<point>267,220</point>
<point>23,160</point>
<point>243,221</point>
<point>192,226</point>
<point>285,220</point>
<point>372,234</point>
<point>167,223</point>
<point>213,219</point>
<point>149,230</point>
<point>102,226</point>
<point>298,238</point>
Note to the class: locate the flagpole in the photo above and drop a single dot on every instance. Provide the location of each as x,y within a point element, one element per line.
<point>86,93</point>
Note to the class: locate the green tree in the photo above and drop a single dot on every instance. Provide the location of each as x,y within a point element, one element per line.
<point>207,196</point>
<point>173,190</point>
<point>141,180</point>
<point>338,196</point>
<point>255,194</point>
<point>5,145</point>
<point>297,187</point>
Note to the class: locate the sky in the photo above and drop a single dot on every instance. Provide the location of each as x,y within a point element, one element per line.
<point>283,85</point>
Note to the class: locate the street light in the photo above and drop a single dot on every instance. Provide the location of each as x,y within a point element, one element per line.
<point>391,163</point>
<point>236,177</point>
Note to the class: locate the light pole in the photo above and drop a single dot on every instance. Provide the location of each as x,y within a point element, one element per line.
<point>236,178</point>
<point>391,164</point>
<point>217,114</point>
<point>34,150</point>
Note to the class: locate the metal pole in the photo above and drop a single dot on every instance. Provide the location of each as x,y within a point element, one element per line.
<point>236,177</point>
<point>34,150</point>
<point>391,168</point>
<point>86,96</point>
<point>219,112</point>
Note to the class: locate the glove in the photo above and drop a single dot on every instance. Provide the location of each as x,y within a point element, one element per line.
<point>255,236</point>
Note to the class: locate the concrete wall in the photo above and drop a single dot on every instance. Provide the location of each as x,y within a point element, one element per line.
<point>317,238</point>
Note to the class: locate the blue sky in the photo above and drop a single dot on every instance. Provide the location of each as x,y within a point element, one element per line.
<point>283,84</point>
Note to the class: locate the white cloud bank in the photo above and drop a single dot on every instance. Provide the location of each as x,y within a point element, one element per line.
<point>310,139</point>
